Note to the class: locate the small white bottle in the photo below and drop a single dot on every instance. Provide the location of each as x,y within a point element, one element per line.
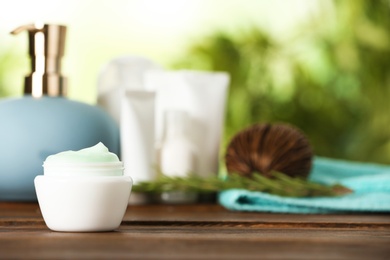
<point>177,155</point>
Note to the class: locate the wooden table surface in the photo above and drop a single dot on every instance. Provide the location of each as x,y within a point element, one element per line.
<point>205,231</point>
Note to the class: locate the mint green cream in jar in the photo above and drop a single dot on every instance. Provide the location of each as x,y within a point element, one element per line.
<point>83,191</point>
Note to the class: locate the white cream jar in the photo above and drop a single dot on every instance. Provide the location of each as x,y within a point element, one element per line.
<point>83,191</point>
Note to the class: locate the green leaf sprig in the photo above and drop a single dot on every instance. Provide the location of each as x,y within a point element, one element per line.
<point>278,184</point>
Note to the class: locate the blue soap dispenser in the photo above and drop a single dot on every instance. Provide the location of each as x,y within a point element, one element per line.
<point>43,121</point>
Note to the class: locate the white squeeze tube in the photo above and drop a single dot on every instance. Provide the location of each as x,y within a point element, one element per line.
<point>203,96</point>
<point>137,138</point>
<point>118,75</point>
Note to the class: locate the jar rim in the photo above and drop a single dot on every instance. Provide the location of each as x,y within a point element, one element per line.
<point>83,169</point>
<point>84,164</point>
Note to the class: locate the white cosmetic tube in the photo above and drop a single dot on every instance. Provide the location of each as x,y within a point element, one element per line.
<point>203,96</point>
<point>118,75</point>
<point>137,138</point>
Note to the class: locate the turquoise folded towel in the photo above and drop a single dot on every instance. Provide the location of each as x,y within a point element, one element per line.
<point>370,184</point>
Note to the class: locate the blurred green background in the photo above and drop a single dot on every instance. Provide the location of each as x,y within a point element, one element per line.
<point>329,74</point>
<point>331,79</point>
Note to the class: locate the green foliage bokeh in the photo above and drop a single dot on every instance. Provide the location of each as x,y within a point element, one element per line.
<point>331,79</point>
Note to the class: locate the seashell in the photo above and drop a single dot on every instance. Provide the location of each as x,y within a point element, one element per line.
<point>264,148</point>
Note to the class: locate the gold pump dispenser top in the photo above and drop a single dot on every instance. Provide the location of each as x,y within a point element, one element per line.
<point>46,48</point>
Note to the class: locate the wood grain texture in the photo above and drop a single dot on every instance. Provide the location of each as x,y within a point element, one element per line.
<point>202,231</point>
